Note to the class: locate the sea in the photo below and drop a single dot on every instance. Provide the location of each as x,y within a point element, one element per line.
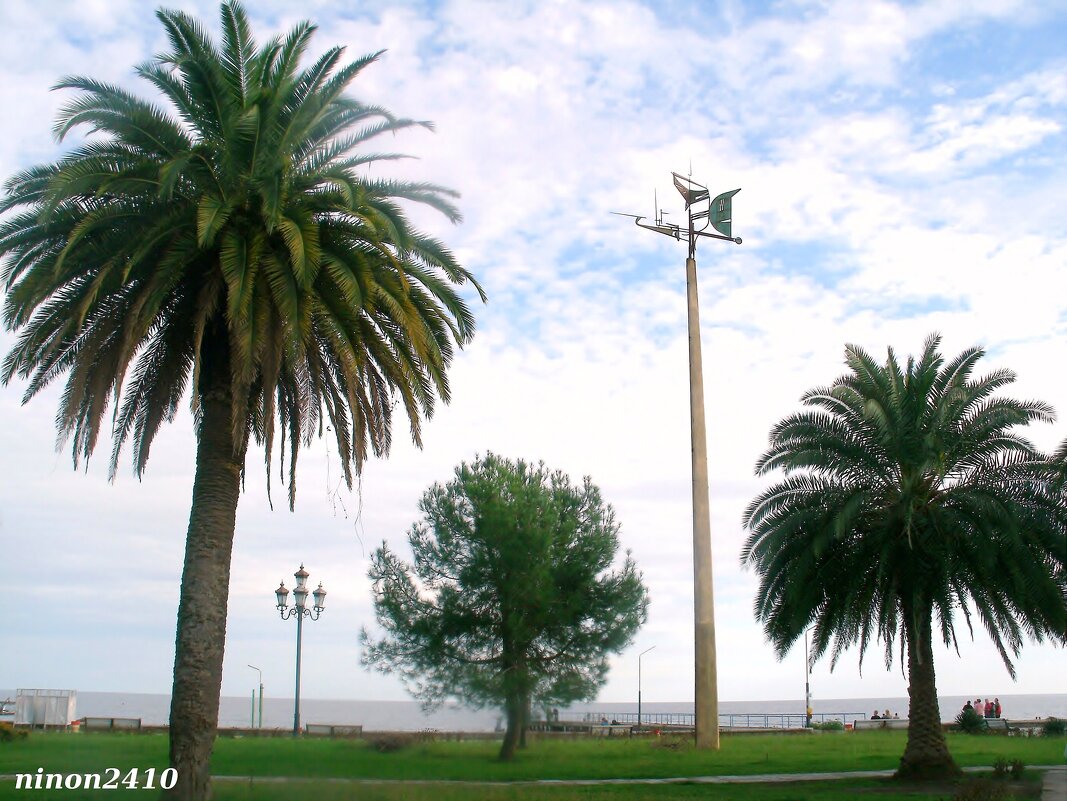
<point>154,710</point>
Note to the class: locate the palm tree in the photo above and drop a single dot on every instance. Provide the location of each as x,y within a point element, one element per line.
<point>909,496</point>
<point>230,248</point>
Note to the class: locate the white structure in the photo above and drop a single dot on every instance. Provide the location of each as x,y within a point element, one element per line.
<point>45,707</point>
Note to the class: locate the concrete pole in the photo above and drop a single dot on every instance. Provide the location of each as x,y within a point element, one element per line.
<point>706,691</point>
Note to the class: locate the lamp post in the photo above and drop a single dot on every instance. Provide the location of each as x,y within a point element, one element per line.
<point>260,699</point>
<point>299,610</point>
<point>639,684</point>
<point>807,679</point>
<point>718,215</point>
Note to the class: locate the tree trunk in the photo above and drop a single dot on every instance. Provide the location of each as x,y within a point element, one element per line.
<point>513,710</point>
<point>201,635</point>
<point>526,717</point>
<point>926,754</point>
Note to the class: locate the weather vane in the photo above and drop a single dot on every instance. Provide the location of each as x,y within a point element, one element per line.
<point>718,214</point>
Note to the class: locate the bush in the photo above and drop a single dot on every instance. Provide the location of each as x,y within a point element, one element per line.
<point>829,725</point>
<point>982,790</point>
<point>970,722</point>
<point>674,742</point>
<point>9,734</point>
<point>1054,727</point>
<point>392,741</point>
<point>1000,768</point>
<point>1017,767</point>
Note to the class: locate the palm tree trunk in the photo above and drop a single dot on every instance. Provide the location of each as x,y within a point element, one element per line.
<point>201,635</point>
<point>926,755</point>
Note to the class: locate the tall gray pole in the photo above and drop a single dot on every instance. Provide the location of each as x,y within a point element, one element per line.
<point>296,707</point>
<point>807,681</point>
<point>260,672</point>
<point>719,215</point>
<point>706,690</point>
<point>639,684</point>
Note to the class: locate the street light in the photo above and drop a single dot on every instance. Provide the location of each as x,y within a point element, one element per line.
<point>299,610</point>
<point>807,677</point>
<point>639,684</point>
<point>260,699</point>
<point>719,215</point>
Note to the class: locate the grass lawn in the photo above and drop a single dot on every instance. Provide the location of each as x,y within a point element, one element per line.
<point>322,760</point>
<point>844,790</point>
<point>324,790</point>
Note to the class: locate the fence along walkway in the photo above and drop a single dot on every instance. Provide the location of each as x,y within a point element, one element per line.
<point>761,720</point>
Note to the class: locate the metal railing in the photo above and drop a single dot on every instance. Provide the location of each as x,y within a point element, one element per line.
<point>647,718</point>
<point>757,720</point>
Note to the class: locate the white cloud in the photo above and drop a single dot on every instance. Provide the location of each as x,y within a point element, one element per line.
<point>874,221</point>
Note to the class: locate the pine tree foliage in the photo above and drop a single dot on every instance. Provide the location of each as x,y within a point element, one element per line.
<point>513,597</point>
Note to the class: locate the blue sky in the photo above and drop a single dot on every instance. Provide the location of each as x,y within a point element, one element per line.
<point>902,171</point>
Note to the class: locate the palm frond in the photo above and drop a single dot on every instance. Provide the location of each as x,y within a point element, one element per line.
<point>910,488</point>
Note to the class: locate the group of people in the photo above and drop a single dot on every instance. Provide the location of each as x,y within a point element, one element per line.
<point>884,716</point>
<point>987,708</point>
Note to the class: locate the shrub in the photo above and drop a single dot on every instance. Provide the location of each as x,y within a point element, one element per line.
<point>982,790</point>
<point>391,741</point>
<point>1017,767</point>
<point>1054,727</point>
<point>9,734</point>
<point>829,725</point>
<point>1000,768</point>
<point>673,742</point>
<point>970,722</point>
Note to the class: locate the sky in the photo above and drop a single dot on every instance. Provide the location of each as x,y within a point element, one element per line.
<point>901,167</point>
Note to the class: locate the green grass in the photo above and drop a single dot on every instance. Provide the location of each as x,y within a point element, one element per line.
<point>844,790</point>
<point>321,790</point>
<point>322,760</point>
<point>603,758</point>
<point>545,759</point>
<point>332,790</point>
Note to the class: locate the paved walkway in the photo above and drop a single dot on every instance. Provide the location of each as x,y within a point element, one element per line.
<point>1054,787</point>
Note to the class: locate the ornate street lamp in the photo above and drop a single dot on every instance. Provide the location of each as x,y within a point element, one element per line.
<point>299,610</point>
<point>719,215</point>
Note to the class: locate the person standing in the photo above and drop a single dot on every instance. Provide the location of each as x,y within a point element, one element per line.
<point>988,708</point>
<point>996,707</point>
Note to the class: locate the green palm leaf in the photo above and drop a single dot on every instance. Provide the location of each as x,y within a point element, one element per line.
<point>910,494</point>
<point>224,248</point>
